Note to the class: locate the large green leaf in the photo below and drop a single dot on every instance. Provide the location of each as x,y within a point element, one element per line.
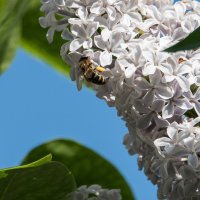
<point>40,180</point>
<point>87,166</point>
<point>34,40</point>
<point>192,41</point>
<point>11,13</point>
<point>5,8</point>
<point>8,49</point>
<point>8,18</point>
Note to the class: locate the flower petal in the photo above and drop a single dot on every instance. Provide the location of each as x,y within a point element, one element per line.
<point>99,42</point>
<point>193,160</point>
<point>76,44</point>
<point>105,33</point>
<point>105,58</point>
<point>111,12</point>
<point>145,121</point>
<point>168,111</point>
<point>91,28</point>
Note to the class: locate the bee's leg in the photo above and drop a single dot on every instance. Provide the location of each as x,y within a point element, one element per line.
<point>89,74</point>
<point>96,78</point>
<point>102,80</point>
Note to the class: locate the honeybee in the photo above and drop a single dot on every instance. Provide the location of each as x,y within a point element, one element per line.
<point>91,72</point>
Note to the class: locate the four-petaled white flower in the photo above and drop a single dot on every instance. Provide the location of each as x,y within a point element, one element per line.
<point>150,114</point>
<point>194,100</point>
<point>83,34</point>
<point>176,101</point>
<point>102,6</point>
<point>173,144</point>
<point>172,70</point>
<point>111,47</point>
<point>153,88</point>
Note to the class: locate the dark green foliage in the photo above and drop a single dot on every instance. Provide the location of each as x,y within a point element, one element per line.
<point>190,42</point>
<point>34,40</point>
<point>87,166</point>
<point>40,180</point>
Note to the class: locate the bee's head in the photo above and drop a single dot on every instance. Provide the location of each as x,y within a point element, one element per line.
<point>84,58</point>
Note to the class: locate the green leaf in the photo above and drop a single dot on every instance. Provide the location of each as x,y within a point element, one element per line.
<point>5,7</point>
<point>11,13</point>
<point>34,40</point>
<point>6,19</point>
<point>40,180</point>
<point>192,41</point>
<point>8,49</point>
<point>87,166</point>
<point>36,163</point>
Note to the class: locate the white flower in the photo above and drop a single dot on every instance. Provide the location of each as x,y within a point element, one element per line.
<point>176,101</point>
<point>194,147</point>
<point>84,193</point>
<point>194,99</point>
<point>181,142</point>
<point>192,184</point>
<point>51,21</point>
<point>51,5</point>
<point>111,47</point>
<point>127,67</point>
<point>83,34</point>
<point>83,17</point>
<point>102,6</point>
<point>79,3</point>
<point>128,12</point>
<point>150,114</point>
<point>174,71</point>
<point>173,144</point>
<point>153,61</point>
<point>153,88</point>
<point>194,77</point>
<point>110,26</point>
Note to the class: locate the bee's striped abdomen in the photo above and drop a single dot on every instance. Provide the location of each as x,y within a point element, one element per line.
<point>99,79</point>
<point>91,73</point>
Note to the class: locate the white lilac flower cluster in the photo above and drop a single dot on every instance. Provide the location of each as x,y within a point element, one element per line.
<point>95,192</point>
<point>156,93</point>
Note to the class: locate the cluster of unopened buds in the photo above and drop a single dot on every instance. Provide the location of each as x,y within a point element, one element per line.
<point>156,93</point>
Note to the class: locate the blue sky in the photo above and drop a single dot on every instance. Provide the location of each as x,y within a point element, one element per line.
<point>38,104</point>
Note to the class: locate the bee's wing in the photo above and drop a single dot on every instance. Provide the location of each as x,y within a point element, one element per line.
<point>79,82</point>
